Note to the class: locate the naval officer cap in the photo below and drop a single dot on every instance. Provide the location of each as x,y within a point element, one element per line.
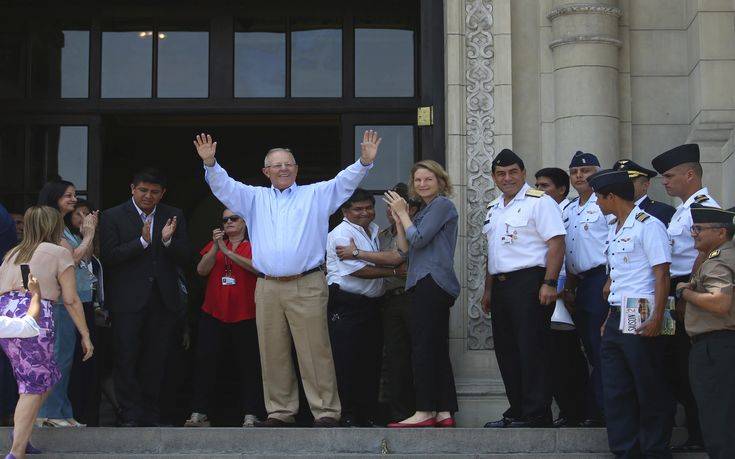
<point>633,168</point>
<point>607,177</point>
<point>703,214</point>
<point>581,159</point>
<point>687,153</point>
<point>507,158</point>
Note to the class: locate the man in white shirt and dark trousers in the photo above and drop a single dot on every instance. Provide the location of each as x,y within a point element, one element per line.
<point>681,175</point>
<point>525,237</point>
<point>288,225</point>
<point>637,399</point>
<point>353,311</point>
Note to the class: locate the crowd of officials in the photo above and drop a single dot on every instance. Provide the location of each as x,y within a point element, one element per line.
<point>355,320</point>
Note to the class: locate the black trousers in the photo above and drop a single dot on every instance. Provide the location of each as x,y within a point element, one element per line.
<point>570,375</point>
<point>522,334</point>
<point>677,364</point>
<point>142,342</point>
<point>83,381</point>
<point>432,370</point>
<point>8,388</point>
<point>712,374</point>
<point>397,367</point>
<point>356,338</point>
<point>244,357</point>
<point>638,407</point>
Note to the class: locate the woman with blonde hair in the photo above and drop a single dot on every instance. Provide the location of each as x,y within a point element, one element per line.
<point>430,240</point>
<point>32,359</point>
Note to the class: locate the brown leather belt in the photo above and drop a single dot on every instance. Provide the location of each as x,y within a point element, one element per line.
<point>289,278</point>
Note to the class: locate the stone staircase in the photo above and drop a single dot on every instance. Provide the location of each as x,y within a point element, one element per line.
<point>215,443</point>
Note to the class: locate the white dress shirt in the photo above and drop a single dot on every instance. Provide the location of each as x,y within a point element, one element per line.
<point>288,229</point>
<point>22,327</point>
<point>144,218</point>
<point>632,253</point>
<point>517,232</point>
<point>587,230</point>
<point>683,252</point>
<point>339,271</point>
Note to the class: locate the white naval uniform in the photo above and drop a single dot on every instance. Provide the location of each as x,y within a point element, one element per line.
<point>683,252</point>
<point>587,229</point>
<point>517,233</point>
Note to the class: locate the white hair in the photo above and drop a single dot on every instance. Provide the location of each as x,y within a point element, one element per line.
<point>274,150</point>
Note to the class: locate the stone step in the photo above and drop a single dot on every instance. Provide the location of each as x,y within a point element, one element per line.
<point>119,443</point>
<point>340,456</point>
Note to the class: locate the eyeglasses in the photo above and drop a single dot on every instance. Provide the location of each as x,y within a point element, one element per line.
<point>231,218</point>
<point>281,166</point>
<point>696,229</point>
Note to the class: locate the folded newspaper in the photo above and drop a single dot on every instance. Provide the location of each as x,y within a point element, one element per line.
<point>638,308</point>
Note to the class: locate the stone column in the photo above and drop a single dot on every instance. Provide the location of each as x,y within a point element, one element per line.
<point>585,48</point>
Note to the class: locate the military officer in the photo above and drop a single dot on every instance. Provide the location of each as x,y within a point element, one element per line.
<point>682,177</point>
<point>638,407</point>
<point>587,229</point>
<point>641,181</point>
<point>525,237</point>
<point>710,321</point>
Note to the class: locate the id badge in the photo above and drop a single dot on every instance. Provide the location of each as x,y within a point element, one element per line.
<point>227,280</point>
<point>506,239</point>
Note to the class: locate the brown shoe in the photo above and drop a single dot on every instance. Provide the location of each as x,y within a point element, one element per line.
<point>326,421</point>
<point>273,422</point>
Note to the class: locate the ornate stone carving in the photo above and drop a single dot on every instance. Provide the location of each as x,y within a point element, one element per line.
<point>572,39</point>
<point>584,8</point>
<point>480,151</point>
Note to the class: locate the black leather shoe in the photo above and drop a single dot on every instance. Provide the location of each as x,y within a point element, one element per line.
<point>562,422</point>
<point>326,421</point>
<point>592,423</point>
<point>273,422</point>
<point>539,422</point>
<point>500,423</point>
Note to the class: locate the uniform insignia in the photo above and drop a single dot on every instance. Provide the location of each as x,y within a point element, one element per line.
<point>642,216</point>
<point>624,239</point>
<point>699,199</point>
<point>586,227</point>
<point>534,193</point>
<point>713,254</point>
<point>492,203</point>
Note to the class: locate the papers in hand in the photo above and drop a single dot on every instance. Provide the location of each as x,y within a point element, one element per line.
<point>638,308</point>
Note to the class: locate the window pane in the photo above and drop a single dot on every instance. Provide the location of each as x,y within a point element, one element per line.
<point>395,159</point>
<point>183,64</point>
<point>384,62</point>
<point>126,64</point>
<point>12,171</point>
<point>75,64</point>
<point>12,62</point>
<point>72,155</point>
<point>316,59</point>
<point>260,59</point>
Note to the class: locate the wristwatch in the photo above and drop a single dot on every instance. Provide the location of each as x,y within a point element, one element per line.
<point>355,253</point>
<point>679,292</point>
<point>551,282</point>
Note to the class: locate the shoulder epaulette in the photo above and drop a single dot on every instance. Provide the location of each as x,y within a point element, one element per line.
<point>570,202</point>
<point>642,216</point>
<point>700,198</point>
<point>713,254</point>
<point>493,202</point>
<point>534,193</point>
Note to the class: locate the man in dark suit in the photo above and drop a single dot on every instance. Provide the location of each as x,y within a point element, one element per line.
<point>143,243</point>
<point>641,181</point>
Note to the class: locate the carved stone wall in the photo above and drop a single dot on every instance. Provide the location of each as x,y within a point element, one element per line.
<point>480,111</point>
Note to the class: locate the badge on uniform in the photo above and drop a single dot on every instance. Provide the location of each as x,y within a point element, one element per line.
<point>586,227</point>
<point>228,280</point>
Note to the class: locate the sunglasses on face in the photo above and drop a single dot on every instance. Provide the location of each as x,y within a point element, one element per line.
<point>231,218</point>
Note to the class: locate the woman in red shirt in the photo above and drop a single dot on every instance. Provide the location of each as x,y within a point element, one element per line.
<point>228,312</point>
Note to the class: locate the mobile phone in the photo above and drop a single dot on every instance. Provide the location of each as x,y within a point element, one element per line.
<point>25,271</point>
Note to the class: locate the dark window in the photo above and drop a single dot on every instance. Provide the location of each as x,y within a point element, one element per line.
<point>12,61</point>
<point>183,64</point>
<point>384,58</point>
<point>127,63</point>
<point>12,159</point>
<point>260,58</point>
<point>316,58</point>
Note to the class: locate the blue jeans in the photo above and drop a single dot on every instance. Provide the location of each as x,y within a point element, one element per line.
<point>57,405</point>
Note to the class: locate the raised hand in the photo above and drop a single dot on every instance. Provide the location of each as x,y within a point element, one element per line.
<point>397,204</point>
<point>89,224</point>
<point>34,310</point>
<point>168,230</point>
<point>206,148</point>
<point>369,147</point>
<point>146,231</point>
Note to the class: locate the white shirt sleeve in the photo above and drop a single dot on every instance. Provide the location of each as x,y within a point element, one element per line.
<point>548,218</point>
<point>656,243</point>
<point>341,268</point>
<point>336,191</point>
<point>23,327</point>
<point>236,196</point>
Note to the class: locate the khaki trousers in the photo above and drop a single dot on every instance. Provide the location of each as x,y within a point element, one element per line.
<point>296,312</point>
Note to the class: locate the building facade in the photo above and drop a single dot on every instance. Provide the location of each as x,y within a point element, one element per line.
<point>91,91</point>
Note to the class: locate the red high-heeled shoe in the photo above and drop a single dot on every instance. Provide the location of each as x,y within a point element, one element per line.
<point>431,422</point>
<point>446,422</point>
